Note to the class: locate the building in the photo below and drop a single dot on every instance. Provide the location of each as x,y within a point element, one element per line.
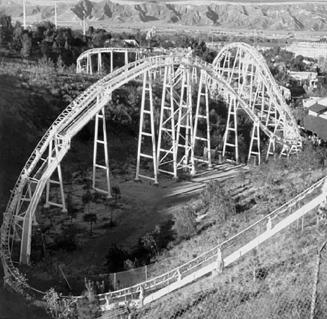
<point>316,119</point>
<point>308,78</point>
<point>308,49</point>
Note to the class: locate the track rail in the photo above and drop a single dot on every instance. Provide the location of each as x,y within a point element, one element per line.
<point>291,130</point>
<point>38,169</point>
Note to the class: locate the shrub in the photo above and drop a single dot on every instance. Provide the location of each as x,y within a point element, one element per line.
<point>218,201</point>
<point>185,224</point>
<point>67,241</point>
<point>88,307</point>
<point>116,258</point>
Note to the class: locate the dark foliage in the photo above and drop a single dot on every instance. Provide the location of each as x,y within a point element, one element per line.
<point>116,258</point>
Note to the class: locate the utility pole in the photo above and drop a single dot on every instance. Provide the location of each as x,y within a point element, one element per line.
<point>55,15</point>
<point>84,23</point>
<point>24,14</point>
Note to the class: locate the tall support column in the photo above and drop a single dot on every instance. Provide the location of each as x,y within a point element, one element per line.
<point>226,64</point>
<point>167,151</point>
<point>55,15</point>
<point>185,124</point>
<point>231,128</point>
<point>89,69</point>
<point>111,61</point>
<point>24,14</point>
<point>99,63</point>
<point>78,66</point>
<point>25,245</point>
<point>254,149</point>
<point>146,135</point>
<point>272,141</point>
<point>194,75</point>
<point>263,112</point>
<point>231,71</point>
<point>100,140</point>
<point>202,114</point>
<point>53,149</point>
<point>126,57</point>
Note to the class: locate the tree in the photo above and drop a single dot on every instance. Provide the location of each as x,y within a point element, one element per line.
<point>17,34</point>
<point>26,44</point>
<point>71,210</point>
<point>6,29</point>
<point>88,307</point>
<point>185,223</point>
<point>86,199</point>
<point>90,218</point>
<point>116,258</point>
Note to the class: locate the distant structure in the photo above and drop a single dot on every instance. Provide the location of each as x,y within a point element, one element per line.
<point>308,78</point>
<point>239,76</point>
<point>316,120</point>
<point>308,49</point>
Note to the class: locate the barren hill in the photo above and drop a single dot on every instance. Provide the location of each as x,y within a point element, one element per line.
<point>264,15</point>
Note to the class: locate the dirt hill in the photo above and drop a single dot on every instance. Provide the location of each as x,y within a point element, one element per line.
<point>283,15</point>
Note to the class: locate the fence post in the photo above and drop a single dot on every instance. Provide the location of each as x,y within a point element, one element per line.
<point>115,281</point>
<point>179,275</point>
<point>315,284</point>
<point>269,224</point>
<point>146,272</point>
<point>220,261</point>
<point>141,296</point>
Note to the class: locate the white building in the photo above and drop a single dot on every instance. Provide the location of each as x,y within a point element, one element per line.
<point>309,78</point>
<point>308,49</point>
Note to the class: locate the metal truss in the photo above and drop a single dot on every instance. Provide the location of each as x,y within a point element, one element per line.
<point>84,63</point>
<point>53,150</point>
<point>201,144</point>
<point>231,136</point>
<point>166,153</point>
<point>146,136</point>
<point>184,133</point>
<point>255,93</point>
<point>100,140</point>
<point>246,71</point>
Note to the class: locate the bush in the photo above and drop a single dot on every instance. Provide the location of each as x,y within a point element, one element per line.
<point>185,224</point>
<point>116,258</point>
<point>219,201</point>
<point>67,241</point>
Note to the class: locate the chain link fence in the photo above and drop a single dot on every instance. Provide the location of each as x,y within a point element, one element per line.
<point>319,295</point>
<point>278,280</point>
<point>122,279</point>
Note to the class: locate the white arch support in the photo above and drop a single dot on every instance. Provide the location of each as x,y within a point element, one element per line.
<point>166,154</point>
<point>55,181</point>
<point>231,137</point>
<point>254,149</point>
<point>100,140</point>
<point>238,61</point>
<point>84,61</point>
<point>38,169</point>
<point>202,114</point>
<point>147,113</point>
<point>184,133</point>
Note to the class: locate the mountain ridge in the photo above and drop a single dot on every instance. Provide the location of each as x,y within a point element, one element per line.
<point>288,15</point>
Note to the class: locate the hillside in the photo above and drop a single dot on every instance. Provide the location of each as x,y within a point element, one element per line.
<point>272,15</point>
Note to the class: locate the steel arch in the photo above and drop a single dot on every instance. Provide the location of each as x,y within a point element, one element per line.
<point>239,63</point>
<point>38,170</point>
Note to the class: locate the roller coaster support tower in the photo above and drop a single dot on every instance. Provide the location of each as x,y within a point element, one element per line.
<point>179,139</point>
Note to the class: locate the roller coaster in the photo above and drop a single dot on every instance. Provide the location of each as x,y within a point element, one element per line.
<point>238,76</point>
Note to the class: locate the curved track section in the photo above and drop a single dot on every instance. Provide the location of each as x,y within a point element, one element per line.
<point>245,69</point>
<point>85,64</point>
<point>46,157</point>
